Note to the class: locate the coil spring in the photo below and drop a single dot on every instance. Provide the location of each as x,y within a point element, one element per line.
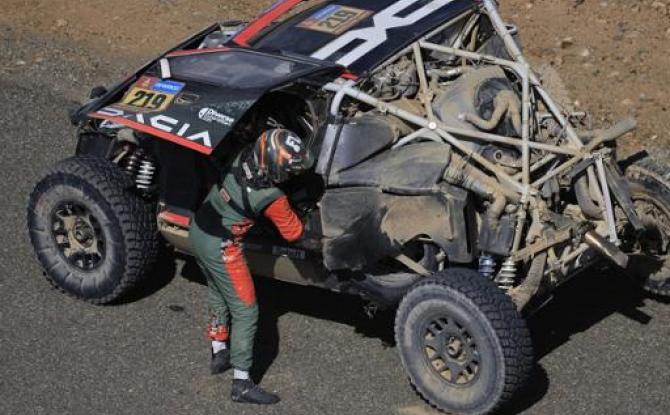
<point>507,275</point>
<point>145,177</point>
<point>142,168</point>
<point>487,266</point>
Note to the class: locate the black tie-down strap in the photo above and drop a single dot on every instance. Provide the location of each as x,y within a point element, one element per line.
<point>619,186</point>
<point>209,220</point>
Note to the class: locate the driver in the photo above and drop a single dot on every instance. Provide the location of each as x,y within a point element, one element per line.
<point>247,190</point>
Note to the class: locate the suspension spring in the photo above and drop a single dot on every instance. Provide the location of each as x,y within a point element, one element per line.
<point>133,163</point>
<point>507,275</point>
<point>141,167</point>
<point>145,176</point>
<point>487,266</point>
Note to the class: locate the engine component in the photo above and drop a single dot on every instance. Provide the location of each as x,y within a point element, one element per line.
<point>508,159</point>
<point>586,203</point>
<point>483,99</point>
<point>396,81</point>
<point>505,103</point>
<point>606,248</point>
<point>461,173</point>
<point>487,266</point>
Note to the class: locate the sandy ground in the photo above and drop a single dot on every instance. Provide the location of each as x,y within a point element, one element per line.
<point>614,55</point>
<point>601,345</point>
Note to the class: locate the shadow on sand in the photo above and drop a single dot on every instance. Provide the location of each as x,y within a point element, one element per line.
<point>576,306</point>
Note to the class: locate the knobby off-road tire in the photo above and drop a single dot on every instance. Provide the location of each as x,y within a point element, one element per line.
<point>94,238</point>
<point>650,189</point>
<point>464,346</point>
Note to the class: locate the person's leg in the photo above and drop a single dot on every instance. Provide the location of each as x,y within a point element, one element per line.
<point>206,249</point>
<point>238,289</point>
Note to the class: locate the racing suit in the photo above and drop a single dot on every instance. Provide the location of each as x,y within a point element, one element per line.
<point>216,239</point>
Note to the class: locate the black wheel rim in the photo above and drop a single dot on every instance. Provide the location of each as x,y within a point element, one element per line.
<point>451,351</point>
<point>78,236</point>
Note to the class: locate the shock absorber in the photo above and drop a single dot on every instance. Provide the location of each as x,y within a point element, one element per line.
<point>487,266</point>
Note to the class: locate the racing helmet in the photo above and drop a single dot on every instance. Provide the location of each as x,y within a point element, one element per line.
<point>280,154</point>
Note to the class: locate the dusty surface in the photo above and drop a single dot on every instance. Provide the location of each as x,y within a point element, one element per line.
<point>614,55</point>
<point>602,347</point>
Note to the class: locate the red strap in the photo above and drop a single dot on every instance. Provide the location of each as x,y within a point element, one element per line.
<point>289,225</point>
<point>264,21</point>
<point>218,333</point>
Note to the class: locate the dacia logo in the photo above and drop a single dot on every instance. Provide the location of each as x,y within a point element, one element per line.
<point>161,122</point>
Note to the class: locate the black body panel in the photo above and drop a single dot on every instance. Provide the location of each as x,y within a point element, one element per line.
<point>371,209</point>
<point>412,169</point>
<point>358,140</point>
<point>360,34</point>
<point>363,225</point>
<point>351,222</point>
<point>211,92</point>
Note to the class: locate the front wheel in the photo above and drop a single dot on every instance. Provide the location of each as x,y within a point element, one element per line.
<point>464,346</point>
<point>94,238</point>
<point>650,251</point>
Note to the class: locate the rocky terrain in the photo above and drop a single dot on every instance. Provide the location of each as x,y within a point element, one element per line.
<point>613,54</point>
<point>601,345</point>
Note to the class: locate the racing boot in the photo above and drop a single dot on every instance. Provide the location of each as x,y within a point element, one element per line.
<point>220,362</point>
<point>246,391</point>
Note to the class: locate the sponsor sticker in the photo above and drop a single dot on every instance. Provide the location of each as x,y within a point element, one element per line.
<point>168,87</point>
<point>212,115</point>
<point>335,19</point>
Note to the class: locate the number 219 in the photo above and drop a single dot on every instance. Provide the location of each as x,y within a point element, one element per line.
<point>145,99</point>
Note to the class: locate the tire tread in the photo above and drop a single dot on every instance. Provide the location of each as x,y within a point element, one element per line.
<point>134,216</point>
<point>499,310</point>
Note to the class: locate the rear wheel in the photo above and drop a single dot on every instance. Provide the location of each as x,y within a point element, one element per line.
<point>94,238</point>
<point>464,346</point>
<point>650,251</point>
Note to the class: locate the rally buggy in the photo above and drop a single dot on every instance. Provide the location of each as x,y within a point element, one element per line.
<point>448,181</point>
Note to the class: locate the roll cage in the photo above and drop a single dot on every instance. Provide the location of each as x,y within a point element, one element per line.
<point>566,157</point>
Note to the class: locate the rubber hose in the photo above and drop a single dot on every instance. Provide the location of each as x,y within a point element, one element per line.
<point>589,207</point>
<point>531,285</point>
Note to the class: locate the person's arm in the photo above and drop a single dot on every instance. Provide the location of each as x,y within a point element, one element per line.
<point>287,222</point>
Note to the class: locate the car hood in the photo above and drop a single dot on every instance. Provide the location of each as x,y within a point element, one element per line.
<point>196,97</point>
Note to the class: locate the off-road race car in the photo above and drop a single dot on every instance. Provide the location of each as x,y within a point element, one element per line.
<point>452,181</point>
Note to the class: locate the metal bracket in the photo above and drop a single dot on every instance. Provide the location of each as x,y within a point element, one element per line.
<point>412,265</point>
<point>621,191</point>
